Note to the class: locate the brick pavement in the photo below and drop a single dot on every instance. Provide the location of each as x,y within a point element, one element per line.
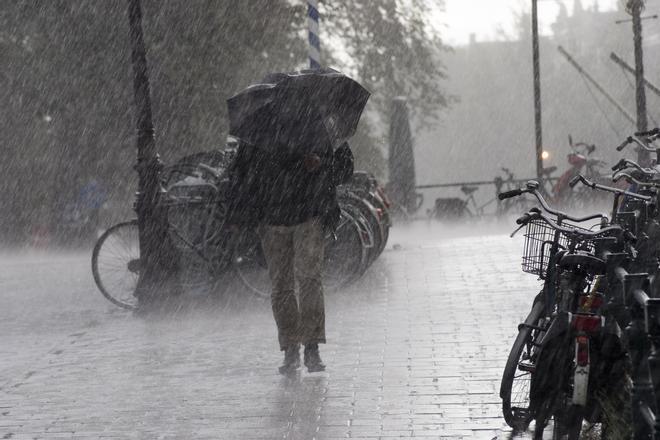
<point>415,349</point>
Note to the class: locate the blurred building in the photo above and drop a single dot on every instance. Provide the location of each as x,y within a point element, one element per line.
<point>492,125</point>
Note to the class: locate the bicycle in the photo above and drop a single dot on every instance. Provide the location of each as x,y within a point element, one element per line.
<point>516,204</point>
<point>635,214</point>
<point>366,188</point>
<point>193,204</point>
<point>547,375</point>
<point>581,162</point>
<point>456,208</point>
<point>634,307</point>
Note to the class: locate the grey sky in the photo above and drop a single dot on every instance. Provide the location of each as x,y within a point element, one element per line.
<point>494,19</point>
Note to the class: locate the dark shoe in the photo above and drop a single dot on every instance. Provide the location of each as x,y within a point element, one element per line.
<point>313,360</point>
<point>291,360</point>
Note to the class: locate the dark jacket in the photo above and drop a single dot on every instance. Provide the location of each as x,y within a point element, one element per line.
<point>275,188</point>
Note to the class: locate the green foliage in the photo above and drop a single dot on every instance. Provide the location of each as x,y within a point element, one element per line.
<point>67,84</point>
<point>366,146</point>
<point>394,50</point>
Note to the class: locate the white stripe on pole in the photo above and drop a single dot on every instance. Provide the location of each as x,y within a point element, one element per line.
<point>314,55</point>
<point>313,26</point>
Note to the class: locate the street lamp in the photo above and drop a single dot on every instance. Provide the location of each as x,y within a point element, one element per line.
<point>537,90</point>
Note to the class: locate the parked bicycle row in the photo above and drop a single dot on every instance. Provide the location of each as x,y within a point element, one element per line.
<point>586,357</point>
<point>193,205</point>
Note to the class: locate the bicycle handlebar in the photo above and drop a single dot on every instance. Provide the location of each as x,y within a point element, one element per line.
<point>619,165</point>
<point>654,132</point>
<point>574,181</point>
<point>524,219</point>
<point>532,188</point>
<point>622,174</point>
<point>593,185</point>
<point>509,194</point>
<point>641,144</point>
<point>627,163</point>
<point>634,139</point>
<point>624,144</point>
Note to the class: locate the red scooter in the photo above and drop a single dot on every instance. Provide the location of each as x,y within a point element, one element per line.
<point>580,162</point>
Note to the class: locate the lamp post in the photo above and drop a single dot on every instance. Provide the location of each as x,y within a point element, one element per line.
<point>635,8</point>
<point>148,166</point>
<point>537,90</point>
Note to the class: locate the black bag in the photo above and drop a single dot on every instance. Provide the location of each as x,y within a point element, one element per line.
<point>245,189</point>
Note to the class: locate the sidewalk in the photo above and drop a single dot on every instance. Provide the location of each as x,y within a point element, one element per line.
<point>415,349</point>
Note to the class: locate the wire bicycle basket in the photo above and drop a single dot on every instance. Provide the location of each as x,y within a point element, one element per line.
<point>539,238</point>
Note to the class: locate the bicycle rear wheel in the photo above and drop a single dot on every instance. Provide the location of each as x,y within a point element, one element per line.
<point>345,258</point>
<point>251,267</point>
<point>367,212</point>
<point>569,425</point>
<point>116,264</point>
<point>516,379</point>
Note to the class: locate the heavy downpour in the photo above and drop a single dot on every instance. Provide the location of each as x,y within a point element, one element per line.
<point>329,219</point>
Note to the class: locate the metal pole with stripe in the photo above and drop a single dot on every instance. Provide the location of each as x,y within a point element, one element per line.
<point>314,42</point>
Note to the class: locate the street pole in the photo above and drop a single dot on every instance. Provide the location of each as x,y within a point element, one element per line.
<point>148,165</point>
<point>635,7</point>
<point>313,34</point>
<point>537,90</point>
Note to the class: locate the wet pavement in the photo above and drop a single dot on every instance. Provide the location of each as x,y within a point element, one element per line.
<point>415,349</point>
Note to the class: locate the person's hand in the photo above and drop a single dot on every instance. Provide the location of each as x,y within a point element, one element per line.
<point>311,162</point>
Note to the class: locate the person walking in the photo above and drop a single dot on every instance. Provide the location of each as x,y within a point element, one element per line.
<point>290,198</point>
<point>284,179</point>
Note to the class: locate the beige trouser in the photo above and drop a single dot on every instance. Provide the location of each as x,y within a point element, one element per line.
<point>296,253</point>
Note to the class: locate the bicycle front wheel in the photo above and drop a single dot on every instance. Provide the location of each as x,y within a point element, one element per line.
<point>116,264</point>
<point>516,379</point>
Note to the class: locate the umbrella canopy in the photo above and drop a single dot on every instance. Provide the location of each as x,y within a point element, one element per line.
<point>291,108</point>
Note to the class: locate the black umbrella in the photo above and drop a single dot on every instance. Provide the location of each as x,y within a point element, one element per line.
<point>292,108</point>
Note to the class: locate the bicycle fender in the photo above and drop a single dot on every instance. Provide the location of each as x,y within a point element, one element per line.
<point>558,327</point>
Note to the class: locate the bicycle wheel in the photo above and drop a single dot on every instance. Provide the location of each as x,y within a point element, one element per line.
<point>567,426</point>
<point>346,256</point>
<point>367,213</point>
<point>250,266</point>
<point>516,379</point>
<point>557,408</point>
<point>116,264</point>
<point>345,259</point>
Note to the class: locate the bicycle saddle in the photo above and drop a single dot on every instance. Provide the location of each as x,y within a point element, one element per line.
<point>467,190</point>
<point>585,261</point>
